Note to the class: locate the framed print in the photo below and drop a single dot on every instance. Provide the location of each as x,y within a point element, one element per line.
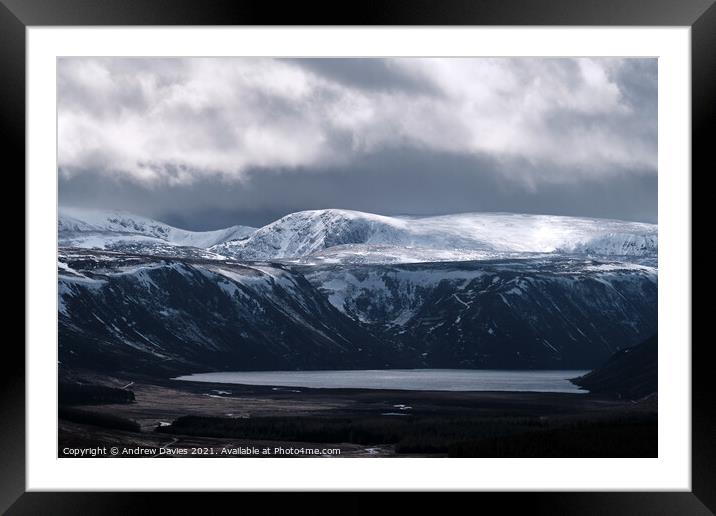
<point>415,249</point>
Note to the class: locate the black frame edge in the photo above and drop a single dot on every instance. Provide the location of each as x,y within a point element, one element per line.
<point>12,365</point>
<point>15,15</point>
<point>703,113</point>
<point>543,504</point>
<point>370,12</point>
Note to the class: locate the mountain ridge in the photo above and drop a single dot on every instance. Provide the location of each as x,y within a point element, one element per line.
<point>349,236</point>
<point>302,234</point>
<point>78,227</point>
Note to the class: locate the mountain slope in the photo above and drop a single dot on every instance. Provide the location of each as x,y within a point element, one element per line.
<point>153,314</point>
<point>556,312</point>
<point>179,315</point>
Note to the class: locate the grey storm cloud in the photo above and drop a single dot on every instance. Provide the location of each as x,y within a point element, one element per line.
<point>206,142</point>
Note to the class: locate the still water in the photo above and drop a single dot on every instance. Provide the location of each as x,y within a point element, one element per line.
<point>407,379</point>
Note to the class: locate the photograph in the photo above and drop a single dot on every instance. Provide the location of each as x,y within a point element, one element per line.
<point>357,257</point>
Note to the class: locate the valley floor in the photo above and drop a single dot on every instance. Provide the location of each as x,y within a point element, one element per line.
<point>186,419</point>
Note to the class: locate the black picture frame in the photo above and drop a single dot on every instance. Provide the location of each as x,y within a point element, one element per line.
<point>17,15</point>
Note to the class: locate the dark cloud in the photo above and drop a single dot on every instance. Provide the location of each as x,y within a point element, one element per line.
<point>389,183</point>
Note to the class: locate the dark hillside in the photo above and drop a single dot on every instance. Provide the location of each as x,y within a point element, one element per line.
<point>631,373</point>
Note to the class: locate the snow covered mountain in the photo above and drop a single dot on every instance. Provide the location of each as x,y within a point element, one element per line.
<point>118,230</point>
<point>343,236</point>
<point>337,289</point>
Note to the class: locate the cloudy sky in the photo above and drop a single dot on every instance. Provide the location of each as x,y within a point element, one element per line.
<point>206,143</point>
